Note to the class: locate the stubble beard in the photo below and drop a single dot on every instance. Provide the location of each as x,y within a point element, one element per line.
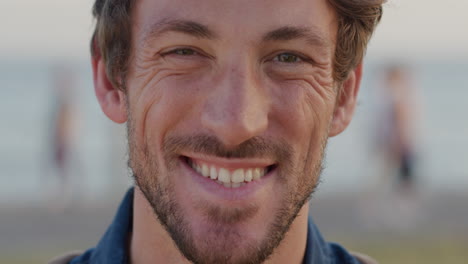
<point>230,247</point>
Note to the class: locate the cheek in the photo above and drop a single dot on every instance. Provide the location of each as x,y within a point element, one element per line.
<point>160,87</point>
<point>302,111</point>
<point>302,116</point>
<point>166,106</point>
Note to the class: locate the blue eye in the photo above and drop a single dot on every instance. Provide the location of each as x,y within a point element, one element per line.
<point>287,58</point>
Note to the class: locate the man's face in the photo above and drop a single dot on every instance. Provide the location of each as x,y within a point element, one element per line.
<point>229,106</point>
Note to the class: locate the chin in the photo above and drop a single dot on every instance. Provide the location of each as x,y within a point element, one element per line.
<point>215,234</point>
<point>225,244</point>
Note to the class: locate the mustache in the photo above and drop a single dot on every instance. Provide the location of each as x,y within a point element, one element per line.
<point>211,145</point>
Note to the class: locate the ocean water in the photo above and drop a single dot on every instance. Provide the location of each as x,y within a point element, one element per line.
<point>99,162</point>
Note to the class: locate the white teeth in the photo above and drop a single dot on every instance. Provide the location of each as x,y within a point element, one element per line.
<point>227,178</point>
<point>224,175</point>
<point>213,173</point>
<point>248,175</point>
<point>205,170</point>
<point>256,174</point>
<point>237,176</point>
<point>198,168</point>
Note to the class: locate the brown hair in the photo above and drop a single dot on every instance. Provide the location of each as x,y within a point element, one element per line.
<point>357,20</point>
<point>112,37</point>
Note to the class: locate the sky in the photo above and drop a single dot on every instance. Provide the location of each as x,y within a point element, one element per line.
<point>62,28</point>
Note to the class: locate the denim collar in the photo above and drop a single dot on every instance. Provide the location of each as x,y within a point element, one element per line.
<point>112,248</point>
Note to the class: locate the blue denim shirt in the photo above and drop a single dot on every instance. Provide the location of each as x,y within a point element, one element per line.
<point>114,244</point>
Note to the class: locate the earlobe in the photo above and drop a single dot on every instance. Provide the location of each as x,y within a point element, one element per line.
<point>111,99</point>
<point>346,102</point>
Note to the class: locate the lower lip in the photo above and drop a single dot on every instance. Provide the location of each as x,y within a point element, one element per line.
<point>245,192</point>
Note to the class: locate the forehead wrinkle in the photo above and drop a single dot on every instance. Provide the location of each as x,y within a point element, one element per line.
<point>287,33</point>
<point>188,27</point>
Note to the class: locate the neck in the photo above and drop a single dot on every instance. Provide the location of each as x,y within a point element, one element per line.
<point>150,242</point>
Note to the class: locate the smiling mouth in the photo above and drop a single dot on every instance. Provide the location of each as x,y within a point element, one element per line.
<point>228,177</point>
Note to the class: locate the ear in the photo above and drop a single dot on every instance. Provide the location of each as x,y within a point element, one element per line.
<point>346,102</point>
<point>111,99</point>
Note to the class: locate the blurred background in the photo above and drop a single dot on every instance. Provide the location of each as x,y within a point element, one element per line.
<point>395,183</point>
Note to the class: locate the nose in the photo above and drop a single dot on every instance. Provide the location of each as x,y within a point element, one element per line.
<point>237,108</point>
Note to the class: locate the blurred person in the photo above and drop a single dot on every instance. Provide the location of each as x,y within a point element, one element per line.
<point>227,124</point>
<point>396,127</point>
<point>396,208</point>
<point>63,137</point>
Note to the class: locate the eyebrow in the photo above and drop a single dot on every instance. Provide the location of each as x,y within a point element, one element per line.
<point>188,27</point>
<point>198,30</point>
<point>287,33</point>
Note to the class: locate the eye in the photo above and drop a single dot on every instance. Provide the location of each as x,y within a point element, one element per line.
<point>181,52</point>
<point>287,58</point>
<point>184,52</point>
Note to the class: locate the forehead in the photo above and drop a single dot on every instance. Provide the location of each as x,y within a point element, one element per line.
<point>239,18</point>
